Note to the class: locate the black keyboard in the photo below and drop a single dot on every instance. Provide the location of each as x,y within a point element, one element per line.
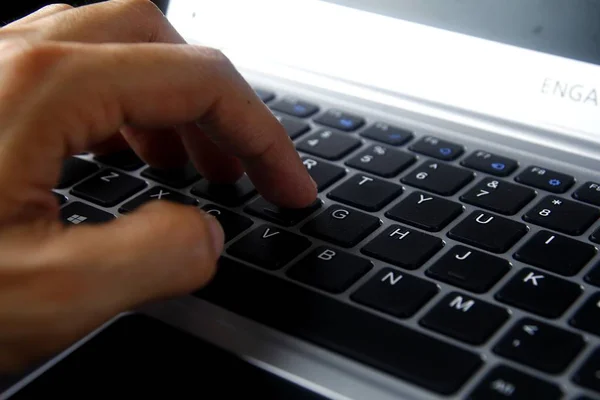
<point>458,269</point>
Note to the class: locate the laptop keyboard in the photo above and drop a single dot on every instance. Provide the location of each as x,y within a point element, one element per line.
<point>418,253</point>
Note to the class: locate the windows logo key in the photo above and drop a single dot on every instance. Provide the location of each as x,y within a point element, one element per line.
<point>76,219</point>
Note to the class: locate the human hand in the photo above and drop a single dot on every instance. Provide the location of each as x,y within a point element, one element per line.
<point>71,78</point>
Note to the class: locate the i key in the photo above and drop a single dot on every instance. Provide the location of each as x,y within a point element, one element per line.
<point>562,215</point>
<point>504,383</point>
<point>588,316</point>
<point>382,161</point>
<point>539,345</point>
<point>545,179</point>
<point>387,134</point>
<point>324,174</point>
<point>328,144</point>
<point>499,196</point>
<point>439,178</point>
<point>438,148</point>
<point>539,293</point>
<point>233,224</point>
<point>364,192</point>
<point>490,163</point>
<point>108,188</point>
<point>425,211</point>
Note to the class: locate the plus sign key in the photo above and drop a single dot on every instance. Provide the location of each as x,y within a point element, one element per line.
<point>546,179</point>
<point>157,193</point>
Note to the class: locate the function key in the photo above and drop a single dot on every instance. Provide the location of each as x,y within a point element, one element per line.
<point>295,107</point>
<point>499,196</point>
<point>587,317</point>
<point>293,127</point>
<point>425,211</point>
<point>588,376</point>
<point>126,160</point>
<point>74,170</point>
<point>562,215</point>
<point>340,120</point>
<point>438,148</point>
<point>233,224</point>
<point>79,213</point>
<point>382,161</point>
<point>108,188</point>
<point>594,276</point>
<point>328,144</point>
<point>154,194</point>
<point>439,178</point>
<point>366,193</point>
<point>233,194</point>
<point>388,134</point>
<point>287,217</point>
<point>323,173</point>
<point>589,193</point>
<point>490,163</point>
<point>174,177</point>
<point>546,179</point>
<point>264,95</point>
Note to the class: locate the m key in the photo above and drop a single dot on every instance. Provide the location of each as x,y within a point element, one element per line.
<point>562,215</point>
<point>364,192</point>
<point>439,178</point>
<point>539,293</point>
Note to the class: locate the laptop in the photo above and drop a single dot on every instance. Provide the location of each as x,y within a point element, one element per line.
<point>453,253</point>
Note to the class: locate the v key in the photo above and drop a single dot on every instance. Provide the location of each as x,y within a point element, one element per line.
<point>269,233</point>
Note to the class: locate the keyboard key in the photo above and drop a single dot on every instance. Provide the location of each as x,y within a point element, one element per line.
<point>462,267</point>
<point>562,215</point>
<point>490,163</point>
<point>79,213</point>
<point>588,376</point>
<point>74,170</point>
<point>499,196</point>
<point>489,232</point>
<point>504,383</point>
<point>387,134</point>
<point>108,188</point>
<point>594,276</point>
<point>125,159</point>
<point>589,193</point>
<point>329,145</point>
<point>295,107</point>
<point>330,269</point>
<point>438,178</point>
<point>269,247</point>
<point>465,318</point>
<point>230,195</point>
<point>546,179</point>
<point>60,198</point>
<point>395,293</point>
<point>323,173</point>
<point>437,148</point>
<point>425,211</point>
<point>404,247</point>
<point>176,177</point>
<point>540,346</point>
<point>293,127</point>
<point>264,95</point>
<point>587,317</point>
<point>556,253</point>
<point>382,161</point>
<point>286,217</point>
<point>232,223</point>
<point>366,193</point>
<point>337,119</point>
<point>343,328</point>
<point>342,226</point>
<point>539,293</point>
<point>157,193</point>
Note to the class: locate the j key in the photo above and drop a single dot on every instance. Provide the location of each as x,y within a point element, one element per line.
<point>79,213</point>
<point>177,177</point>
<point>264,95</point>
<point>382,161</point>
<point>108,188</point>
<point>539,293</point>
<point>439,178</point>
<point>504,383</point>
<point>157,193</point>
<point>343,328</point>
<point>588,376</point>
<point>233,224</point>
<point>230,195</point>
<point>588,316</point>
<point>286,217</point>
<point>539,345</point>
<point>364,192</point>
<point>395,293</point>
<point>562,215</point>
<point>125,159</point>
<point>499,196</point>
<point>490,163</point>
<point>546,179</point>
<point>594,276</point>
<point>269,247</point>
<point>60,198</point>
<point>404,247</point>
<point>337,119</point>
<point>330,269</point>
<point>324,174</point>
<point>461,266</point>
<point>425,211</point>
<point>465,318</point>
<point>74,170</point>
<point>437,148</point>
<point>589,193</point>
<point>388,134</point>
<point>328,144</point>
<point>342,226</point>
<point>293,127</point>
<point>489,232</point>
<point>556,253</point>
<point>295,107</point>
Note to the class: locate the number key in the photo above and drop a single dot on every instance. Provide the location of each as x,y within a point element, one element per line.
<point>499,196</point>
<point>293,127</point>
<point>562,215</point>
<point>328,144</point>
<point>382,161</point>
<point>439,178</point>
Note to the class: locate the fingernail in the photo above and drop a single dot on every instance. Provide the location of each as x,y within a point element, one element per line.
<point>216,233</point>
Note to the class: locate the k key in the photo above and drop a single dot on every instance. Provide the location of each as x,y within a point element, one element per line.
<point>108,188</point>
<point>382,161</point>
<point>425,211</point>
<point>562,215</point>
<point>328,144</point>
<point>364,192</point>
<point>439,178</point>
<point>499,196</point>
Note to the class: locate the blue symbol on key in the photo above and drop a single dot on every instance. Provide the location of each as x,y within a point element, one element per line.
<point>300,109</point>
<point>395,136</point>
<point>554,182</point>
<point>498,166</point>
<point>445,151</point>
<point>346,123</point>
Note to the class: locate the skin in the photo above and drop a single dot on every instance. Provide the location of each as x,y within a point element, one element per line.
<point>100,78</point>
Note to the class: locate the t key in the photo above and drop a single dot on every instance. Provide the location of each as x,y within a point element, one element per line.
<point>439,178</point>
<point>108,188</point>
<point>328,144</point>
<point>369,194</point>
<point>499,196</point>
<point>562,215</point>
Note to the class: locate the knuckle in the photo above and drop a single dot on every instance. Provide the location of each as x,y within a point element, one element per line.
<point>31,61</point>
<point>216,58</point>
<point>145,8</point>
<point>57,7</point>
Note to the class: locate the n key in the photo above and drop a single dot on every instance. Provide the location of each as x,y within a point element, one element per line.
<point>439,178</point>
<point>562,215</point>
<point>499,196</point>
<point>108,188</point>
<point>364,192</point>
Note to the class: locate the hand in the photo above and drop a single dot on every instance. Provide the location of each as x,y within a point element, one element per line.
<point>70,79</point>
